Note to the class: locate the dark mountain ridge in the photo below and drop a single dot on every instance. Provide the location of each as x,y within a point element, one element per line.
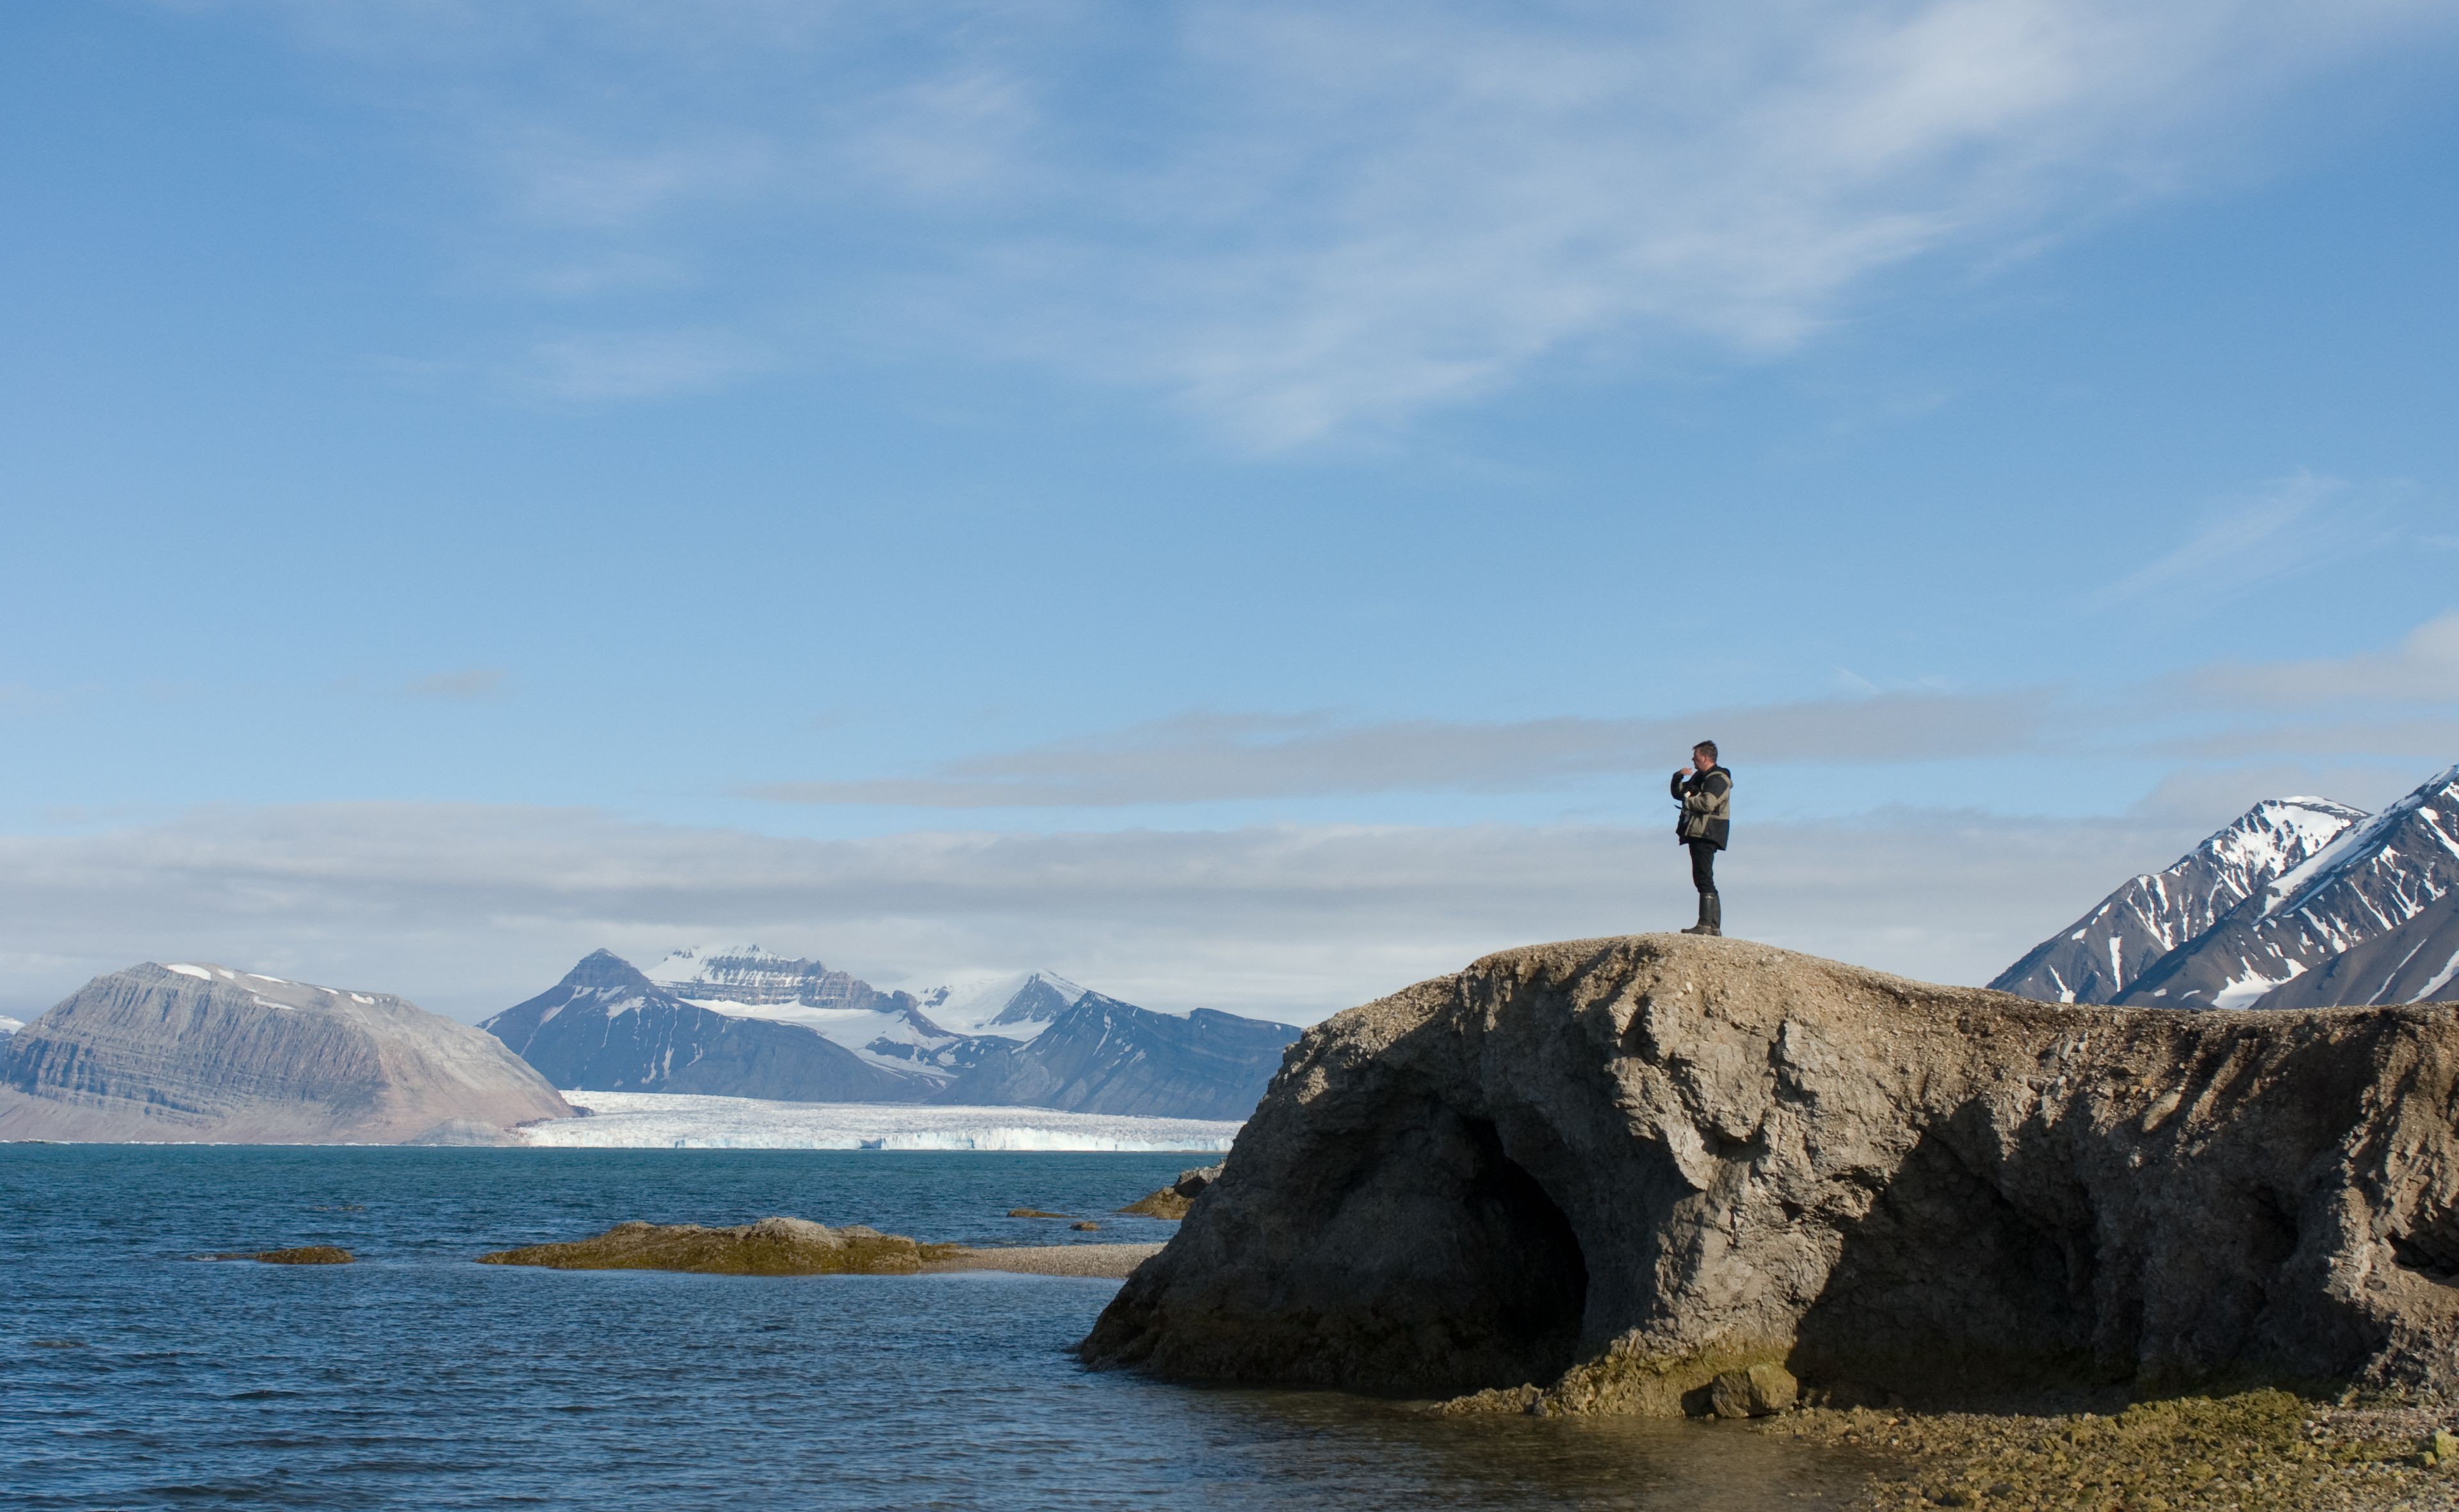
<point>608,1028</point>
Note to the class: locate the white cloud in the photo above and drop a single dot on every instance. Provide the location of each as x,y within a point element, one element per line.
<point>2293,526</point>
<point>470,908</point>
<point>1204,757</point>
<point>1298,220</point>
<point>2421,668</point>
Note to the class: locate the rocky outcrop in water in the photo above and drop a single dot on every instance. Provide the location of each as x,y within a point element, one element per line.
<point>301,1255</point>
<point>1175,1199</point>
<point>771,1246</point>
<point>1618,1170</point>
<point>208,1054</point>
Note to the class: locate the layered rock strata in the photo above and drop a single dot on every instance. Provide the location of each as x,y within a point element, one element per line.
<point>208,1054</point>
<point>1616,1169</point>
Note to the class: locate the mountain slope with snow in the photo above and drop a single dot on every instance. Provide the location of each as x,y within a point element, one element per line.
<point>2102,955</point>
<point>1104,1056</point>
<point>2373,918</point>
<point>889,1031</point>
<point>1016,1006</point>
<point>741,1021</point>
<point>608,1027</point>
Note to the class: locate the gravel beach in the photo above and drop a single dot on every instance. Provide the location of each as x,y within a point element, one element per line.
<point>1110,1261</point>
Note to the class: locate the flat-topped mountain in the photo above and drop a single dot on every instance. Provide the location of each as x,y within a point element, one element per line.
<point>2301,903</point>
<point>205,1053</point>
<point>741,1021</point>
<point>1598,1176</point>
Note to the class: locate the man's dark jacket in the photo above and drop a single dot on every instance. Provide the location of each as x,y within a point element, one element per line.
<point>1707,805</point>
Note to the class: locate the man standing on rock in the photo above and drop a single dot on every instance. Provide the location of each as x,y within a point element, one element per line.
<point>1705,790</point>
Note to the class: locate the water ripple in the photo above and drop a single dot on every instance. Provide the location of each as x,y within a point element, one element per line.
<point>132,1376</point>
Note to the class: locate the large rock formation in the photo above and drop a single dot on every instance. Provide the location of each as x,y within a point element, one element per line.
<point>207,1053</point>
<point>1626,1167</point>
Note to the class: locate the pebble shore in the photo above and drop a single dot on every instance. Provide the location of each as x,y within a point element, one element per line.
<point>2260,1452</point>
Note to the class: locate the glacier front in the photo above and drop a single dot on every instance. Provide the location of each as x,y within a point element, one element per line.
<point>675,1121</point>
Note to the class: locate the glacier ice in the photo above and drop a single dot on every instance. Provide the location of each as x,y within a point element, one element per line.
<point>675,1121</point>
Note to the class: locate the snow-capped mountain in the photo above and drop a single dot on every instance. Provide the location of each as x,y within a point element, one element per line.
<point>2101,954</point>
<point>742,1021</point>
<point>888,1030</point>
<point>2372,918</point>
<point>1012,1006</point>
<point>608,1027</point>
<point>2332,909</point>
<point>1104,1056</point>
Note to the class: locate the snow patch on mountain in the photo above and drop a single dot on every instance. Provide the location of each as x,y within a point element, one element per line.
<point>887,1030</point>
<point>928,1035</point>
<point>2300,904</point>
<point>2102,956</point>
<point>1014,1005</point>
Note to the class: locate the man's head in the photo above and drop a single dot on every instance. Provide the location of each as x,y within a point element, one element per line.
<point>1704,755</point>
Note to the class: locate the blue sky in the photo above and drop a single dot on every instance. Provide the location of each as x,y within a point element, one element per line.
<point>1242,508</point>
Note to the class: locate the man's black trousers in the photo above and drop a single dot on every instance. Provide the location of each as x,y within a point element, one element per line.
<point>1703,866</point>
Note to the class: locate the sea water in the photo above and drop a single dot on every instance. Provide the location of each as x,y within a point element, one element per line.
<point>134,1375</point>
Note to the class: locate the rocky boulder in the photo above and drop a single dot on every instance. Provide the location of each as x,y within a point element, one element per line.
<point>1597,1176</point>
<point>1175,1199</point>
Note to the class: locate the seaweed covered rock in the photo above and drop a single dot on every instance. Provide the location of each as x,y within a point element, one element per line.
<point>1175,1199</point>
<point>771,1246</point>
<point>1596,1176</point>
<point>302,1254</point>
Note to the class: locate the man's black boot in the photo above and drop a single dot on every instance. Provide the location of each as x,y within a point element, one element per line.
<point>1707,924</point>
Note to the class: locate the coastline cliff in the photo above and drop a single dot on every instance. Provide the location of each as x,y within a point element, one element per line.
<point>1599,1174</point>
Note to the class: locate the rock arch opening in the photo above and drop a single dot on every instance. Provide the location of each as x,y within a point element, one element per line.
<point>1458,1270</point>
<point>1525,1275</point>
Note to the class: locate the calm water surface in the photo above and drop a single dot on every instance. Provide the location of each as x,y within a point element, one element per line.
<point>132,1376</point>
